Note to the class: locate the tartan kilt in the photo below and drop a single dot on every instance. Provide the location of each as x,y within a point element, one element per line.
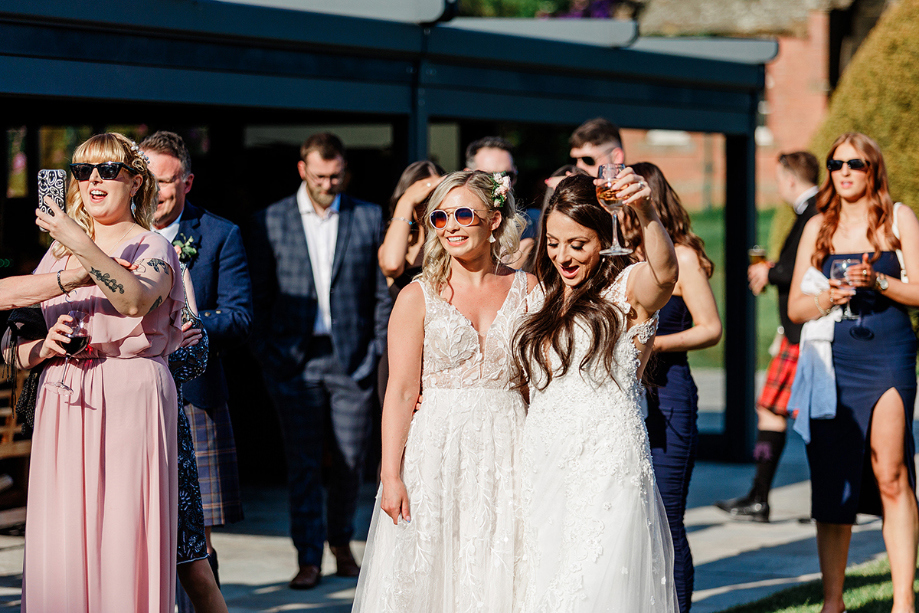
<point>780,376</point>
<point>218,475</point>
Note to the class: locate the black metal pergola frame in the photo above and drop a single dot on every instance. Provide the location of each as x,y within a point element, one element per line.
<point>264,60</point>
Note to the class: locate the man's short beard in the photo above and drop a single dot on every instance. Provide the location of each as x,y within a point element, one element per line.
<point>320,197</point>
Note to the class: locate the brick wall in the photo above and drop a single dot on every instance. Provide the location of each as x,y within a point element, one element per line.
<point>797,85</point>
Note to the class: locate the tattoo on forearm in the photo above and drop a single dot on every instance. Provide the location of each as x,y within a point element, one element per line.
<point>156,303</point>
<point>107,280</point>
<point>157,263</point>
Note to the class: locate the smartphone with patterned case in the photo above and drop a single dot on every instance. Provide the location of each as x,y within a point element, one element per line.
<point>51,185</point>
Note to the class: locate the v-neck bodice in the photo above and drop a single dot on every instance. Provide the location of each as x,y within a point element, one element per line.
<point>454,356</point>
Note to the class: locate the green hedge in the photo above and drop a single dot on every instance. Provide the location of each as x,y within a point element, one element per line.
<point>878,95</point>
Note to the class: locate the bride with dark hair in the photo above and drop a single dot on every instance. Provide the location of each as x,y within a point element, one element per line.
<point>594,527</point>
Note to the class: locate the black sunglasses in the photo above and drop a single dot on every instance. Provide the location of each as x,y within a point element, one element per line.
<point>464,216</point>
<point>588,159</point>
<point>107,170</point>
<point>855,164</point>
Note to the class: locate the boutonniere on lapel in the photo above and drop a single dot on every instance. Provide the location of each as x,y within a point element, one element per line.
<point>185,248</point>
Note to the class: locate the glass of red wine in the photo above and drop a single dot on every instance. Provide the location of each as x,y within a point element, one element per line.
<point>78,341</point>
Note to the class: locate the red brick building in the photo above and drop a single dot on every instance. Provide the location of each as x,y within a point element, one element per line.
<point>816,40</point>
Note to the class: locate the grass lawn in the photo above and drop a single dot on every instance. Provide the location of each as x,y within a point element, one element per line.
<point>710,226</point>
<point>868,590</point>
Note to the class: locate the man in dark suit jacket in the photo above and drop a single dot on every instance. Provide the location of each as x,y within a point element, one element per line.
<point>796,175</point>
<point>223,293</point>
<point>322,307</point>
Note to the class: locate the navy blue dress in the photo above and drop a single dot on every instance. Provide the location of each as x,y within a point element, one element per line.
<point>673,409</point>
<point>842,481</point>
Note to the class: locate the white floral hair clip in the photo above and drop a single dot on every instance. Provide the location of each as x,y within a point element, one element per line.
<point>136,149</point>
<point>501,187</point>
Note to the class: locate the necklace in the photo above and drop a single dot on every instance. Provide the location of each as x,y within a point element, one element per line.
<point>118,242</point>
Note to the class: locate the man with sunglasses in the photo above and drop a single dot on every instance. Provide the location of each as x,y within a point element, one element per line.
<point>594,143</point>
<point>796,175</point>
<point>220,275</point>
<point>322,306</point>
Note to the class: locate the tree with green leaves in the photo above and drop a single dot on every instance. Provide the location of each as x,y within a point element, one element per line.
<point>878,95</point>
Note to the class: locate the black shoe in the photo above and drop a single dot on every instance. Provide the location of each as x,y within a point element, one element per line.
<point>745,507</point>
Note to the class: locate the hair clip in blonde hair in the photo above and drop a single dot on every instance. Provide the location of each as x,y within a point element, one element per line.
<point>136,149</point>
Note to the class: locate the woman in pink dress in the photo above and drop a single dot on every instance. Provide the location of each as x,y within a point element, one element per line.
<point>101,522</point>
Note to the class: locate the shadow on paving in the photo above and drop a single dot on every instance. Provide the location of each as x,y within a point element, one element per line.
<point>811,595</point>
<point>332,595</point>
<point>10,602</point>
<point>755,574</point>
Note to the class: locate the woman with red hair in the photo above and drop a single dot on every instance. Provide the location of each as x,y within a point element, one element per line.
<point>861,459</point>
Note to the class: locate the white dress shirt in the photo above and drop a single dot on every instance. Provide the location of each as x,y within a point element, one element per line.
<point>171,231</point>
<point>801,202</point>
<point>321,232</point>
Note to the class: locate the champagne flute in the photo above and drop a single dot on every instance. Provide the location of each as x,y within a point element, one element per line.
<point>79,340</point>
<point>838,271</point>
<point>611,202</point>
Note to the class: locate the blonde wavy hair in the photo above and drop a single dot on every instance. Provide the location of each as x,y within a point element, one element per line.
<point>110,147</point>
<point>436,268</point>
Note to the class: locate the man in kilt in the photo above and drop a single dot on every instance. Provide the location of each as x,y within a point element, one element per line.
<point>796,174</point>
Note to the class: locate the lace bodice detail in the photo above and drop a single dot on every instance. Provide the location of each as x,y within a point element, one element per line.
<point>453,357</point>
<point>595,532</point>
<point>624,382</point>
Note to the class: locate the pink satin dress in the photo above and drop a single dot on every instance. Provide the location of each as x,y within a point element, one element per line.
<point>101,519</point>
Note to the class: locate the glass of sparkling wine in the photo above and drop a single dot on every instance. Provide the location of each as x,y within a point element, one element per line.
<point>839,270</point>
<point>78,341</point>
<point>611,202</point>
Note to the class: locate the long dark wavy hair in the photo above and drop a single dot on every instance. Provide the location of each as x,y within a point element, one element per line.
<point>673,216</point>
<point>880,213</point>
<point>553,325</point>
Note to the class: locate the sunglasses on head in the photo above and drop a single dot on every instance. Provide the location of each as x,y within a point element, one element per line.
<point>107,170</point>
<point>855,164</point>
<point>463,215</point>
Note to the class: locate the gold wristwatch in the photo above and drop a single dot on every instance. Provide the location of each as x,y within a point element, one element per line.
<point>880,283</point>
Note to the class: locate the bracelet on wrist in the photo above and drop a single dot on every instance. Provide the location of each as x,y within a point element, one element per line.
<point>59,284</point>
<point>823,312</point>
<point>408,221</point>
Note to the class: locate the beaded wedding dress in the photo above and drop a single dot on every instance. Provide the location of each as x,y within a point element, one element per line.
<point>460,470</point>
<point>596,536</point>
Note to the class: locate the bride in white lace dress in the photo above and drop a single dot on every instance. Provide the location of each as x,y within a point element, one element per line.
<point>596,536</point>
<point>446,533</point>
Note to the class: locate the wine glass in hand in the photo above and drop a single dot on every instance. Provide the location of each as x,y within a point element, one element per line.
<point>838,271</point>
<point>612,203</point>
<point>78,341</point>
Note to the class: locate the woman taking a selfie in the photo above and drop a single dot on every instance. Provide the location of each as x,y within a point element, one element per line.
<point>101,521</point>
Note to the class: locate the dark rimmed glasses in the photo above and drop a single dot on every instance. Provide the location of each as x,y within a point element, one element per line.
<point>854,164</point>
<point>107,170</point>
<point>463,215</point>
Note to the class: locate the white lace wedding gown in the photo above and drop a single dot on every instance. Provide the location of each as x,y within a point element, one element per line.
<point>596,536</point>
<point>461,472</point>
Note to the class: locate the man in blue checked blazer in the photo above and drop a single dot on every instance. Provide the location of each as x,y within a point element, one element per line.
<point>216,260</point>
<point>321,311</point>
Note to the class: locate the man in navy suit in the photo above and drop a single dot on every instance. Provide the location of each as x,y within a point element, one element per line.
<point>223,292</point>
<point>322,307</point>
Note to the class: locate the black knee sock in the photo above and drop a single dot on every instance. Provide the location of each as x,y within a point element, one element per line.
<point>768,450</point>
